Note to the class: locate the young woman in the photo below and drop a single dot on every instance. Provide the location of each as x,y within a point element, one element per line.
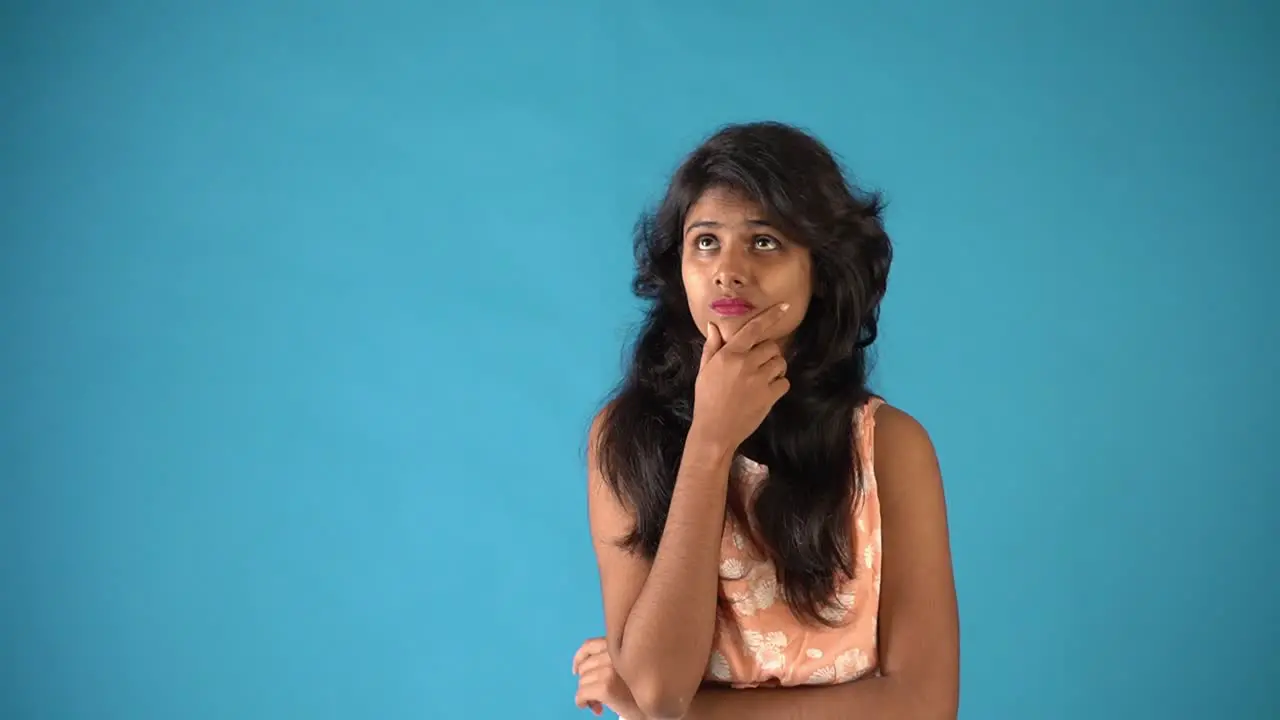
<point>771,536</point>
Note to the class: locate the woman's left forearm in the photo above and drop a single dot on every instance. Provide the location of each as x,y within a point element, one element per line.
<point>876,698</point>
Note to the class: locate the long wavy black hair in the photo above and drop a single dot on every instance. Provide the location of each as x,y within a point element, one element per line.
<point>802,510</point>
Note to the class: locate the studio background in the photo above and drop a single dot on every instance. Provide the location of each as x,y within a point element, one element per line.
<point>305,308</point>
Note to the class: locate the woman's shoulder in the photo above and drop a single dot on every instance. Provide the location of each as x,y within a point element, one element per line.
<point>905,460</point>
<point>896,430</point>
<point>896,441</point>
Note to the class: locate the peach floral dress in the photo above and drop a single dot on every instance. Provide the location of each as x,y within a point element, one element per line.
<point>760,643</point>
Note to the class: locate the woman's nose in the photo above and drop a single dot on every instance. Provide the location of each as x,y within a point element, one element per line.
<point>729,280</point>
<point>732,272</point>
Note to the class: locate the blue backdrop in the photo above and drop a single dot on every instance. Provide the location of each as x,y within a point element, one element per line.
<point>305,309</point>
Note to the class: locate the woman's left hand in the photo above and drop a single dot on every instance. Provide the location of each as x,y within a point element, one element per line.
<point>599,685</point>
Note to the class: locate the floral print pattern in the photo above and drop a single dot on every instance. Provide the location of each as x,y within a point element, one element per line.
<point>758,642</point>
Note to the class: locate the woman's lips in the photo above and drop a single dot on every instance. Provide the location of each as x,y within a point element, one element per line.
<point>732,307</point>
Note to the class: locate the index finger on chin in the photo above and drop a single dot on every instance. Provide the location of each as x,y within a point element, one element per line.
<point>754,331</point>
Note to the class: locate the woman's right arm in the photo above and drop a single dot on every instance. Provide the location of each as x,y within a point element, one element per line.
<point>660,615</point>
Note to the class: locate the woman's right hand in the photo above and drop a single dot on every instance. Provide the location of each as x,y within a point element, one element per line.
<point>739,381</point>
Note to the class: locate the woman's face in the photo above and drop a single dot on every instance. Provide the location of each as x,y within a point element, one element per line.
<point>735,265</point>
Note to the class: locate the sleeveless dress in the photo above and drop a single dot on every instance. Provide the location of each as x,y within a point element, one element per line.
<point>759,643</point>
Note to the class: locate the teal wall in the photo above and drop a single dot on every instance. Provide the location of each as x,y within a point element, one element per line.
<point>305,307</point>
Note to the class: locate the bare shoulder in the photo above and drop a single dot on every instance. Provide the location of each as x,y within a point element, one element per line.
<point>622,573</point>
<point>596,480</point>
<point>909,481</point>
<point>919,613</point>
<point>605,507</point>
<point>905,457</point>
<point>595,432</point>
<point>609,516</point>
<point>898,429</point>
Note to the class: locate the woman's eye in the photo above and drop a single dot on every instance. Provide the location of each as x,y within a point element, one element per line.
<point>764,242</point>
<point>705,242</point>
